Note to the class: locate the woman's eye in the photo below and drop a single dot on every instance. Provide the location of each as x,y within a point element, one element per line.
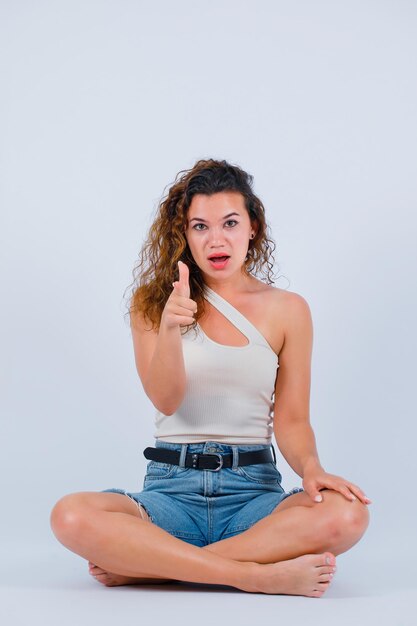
<point>200,224</point>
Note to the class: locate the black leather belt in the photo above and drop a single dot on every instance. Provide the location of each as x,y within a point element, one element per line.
<point>213,461</point>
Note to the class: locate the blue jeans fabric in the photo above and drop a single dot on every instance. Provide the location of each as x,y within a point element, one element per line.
<point>203,506</point>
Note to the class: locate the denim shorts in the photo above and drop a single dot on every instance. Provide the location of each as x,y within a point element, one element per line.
<point>204,506</point>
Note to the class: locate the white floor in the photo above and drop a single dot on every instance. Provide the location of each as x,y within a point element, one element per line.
<point>49,585</point>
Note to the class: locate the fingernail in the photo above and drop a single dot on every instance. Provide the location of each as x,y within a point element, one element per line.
<point>328,560</point>
<point>318,498</point>
<point>352,498</point>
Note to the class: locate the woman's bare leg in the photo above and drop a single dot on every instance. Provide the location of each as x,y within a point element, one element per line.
<point>299,526</point>
<point>110,579</point>
<point>333,525</point>
<point>120,542</point>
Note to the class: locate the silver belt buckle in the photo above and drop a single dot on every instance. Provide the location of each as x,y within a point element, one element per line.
<point>216,469</point>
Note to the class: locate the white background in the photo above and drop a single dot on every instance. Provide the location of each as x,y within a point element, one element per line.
<point>102,103</point>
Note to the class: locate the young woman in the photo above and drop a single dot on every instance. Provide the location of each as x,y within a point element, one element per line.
<point>225,359</point>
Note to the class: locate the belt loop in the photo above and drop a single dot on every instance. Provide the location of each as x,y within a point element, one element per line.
<point>183,453</point>
<point>235,450</point>
<point>273,452</point>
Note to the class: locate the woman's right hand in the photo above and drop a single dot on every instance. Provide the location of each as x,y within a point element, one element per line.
<point>179,308</point>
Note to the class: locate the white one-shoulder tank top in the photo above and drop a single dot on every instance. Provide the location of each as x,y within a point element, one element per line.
<point>229,390</point>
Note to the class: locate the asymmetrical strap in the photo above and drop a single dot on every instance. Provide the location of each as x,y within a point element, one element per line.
<point>236,318</point>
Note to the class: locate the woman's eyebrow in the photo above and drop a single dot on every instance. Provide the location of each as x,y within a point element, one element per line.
<point>200,219</point>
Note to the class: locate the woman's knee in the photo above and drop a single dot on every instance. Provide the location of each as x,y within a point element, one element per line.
<point>68,513</point>
<point>73,512</point>
<point>345,520</point>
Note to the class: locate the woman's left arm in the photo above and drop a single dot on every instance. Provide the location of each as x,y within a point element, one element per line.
<point>293,432</point>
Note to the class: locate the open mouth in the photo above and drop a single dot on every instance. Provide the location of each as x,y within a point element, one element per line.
<point>219,262</point>
<point>218,259</point>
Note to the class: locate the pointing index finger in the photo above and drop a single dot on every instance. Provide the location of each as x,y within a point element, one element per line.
<point>184,273</point>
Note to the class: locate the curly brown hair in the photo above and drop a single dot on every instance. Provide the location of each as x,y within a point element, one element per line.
<point>166,244</point>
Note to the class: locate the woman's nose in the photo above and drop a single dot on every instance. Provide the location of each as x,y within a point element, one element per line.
<point>216,235</point>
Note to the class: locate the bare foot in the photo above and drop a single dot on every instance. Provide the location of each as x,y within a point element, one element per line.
<point>113,580</point>
<point>307,575</point>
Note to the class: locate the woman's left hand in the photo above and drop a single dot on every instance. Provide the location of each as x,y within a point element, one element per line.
<point>316,478</point>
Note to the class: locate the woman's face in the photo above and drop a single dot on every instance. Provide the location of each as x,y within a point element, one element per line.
<point>219,224</point>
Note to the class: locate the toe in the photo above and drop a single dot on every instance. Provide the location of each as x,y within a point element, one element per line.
<point>326,569</point>
<point>324,578</point>
<point>102,577</point>
<point>329,558</point>
<point>325,559</point>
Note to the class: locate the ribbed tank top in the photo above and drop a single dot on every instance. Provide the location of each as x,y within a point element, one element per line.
<point>229,389</point>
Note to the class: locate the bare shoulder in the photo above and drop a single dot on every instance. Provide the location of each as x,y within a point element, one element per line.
<point>284,302</point>
<point>288,316</point>
<point>292,303</point>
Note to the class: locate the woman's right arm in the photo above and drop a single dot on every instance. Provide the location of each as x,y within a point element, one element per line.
<point>158,355</point>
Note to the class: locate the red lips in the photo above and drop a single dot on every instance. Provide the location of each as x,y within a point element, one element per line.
<point>217,255</point>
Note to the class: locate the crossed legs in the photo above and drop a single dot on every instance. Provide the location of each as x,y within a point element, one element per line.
<point>296,527</point>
